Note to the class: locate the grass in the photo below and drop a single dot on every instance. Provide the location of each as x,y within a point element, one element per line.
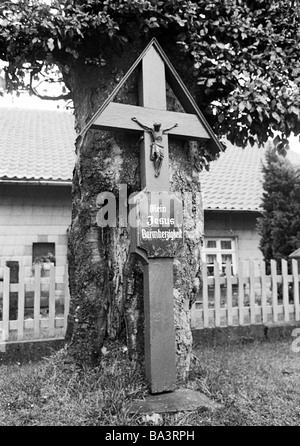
<point>56,391</point>
<point>257,384</point>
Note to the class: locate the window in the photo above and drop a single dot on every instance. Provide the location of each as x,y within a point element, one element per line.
<point>43,253</point>
<point>14,271</point>
<point>220,250</point>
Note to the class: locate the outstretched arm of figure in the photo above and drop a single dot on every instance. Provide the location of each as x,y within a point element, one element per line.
<point>167,130</point>
<point>141,125</point>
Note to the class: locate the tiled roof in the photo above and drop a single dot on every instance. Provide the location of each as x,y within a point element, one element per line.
<point>234,181</point>
<point>36,144</point>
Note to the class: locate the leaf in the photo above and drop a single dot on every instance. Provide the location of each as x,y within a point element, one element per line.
<point>155,419</point>
<point>2,83</point>
<point>210,82</point>
<point>276,116</point>
<point>293,109</point>
<point>276,140</point>
<point>152,22</point>
<point>242,106</point>
<point>201,80</point>
<point>181,22</point>
<point>251,141</point>
<point>281,149</point>
<point>104,351</point>
<point>50,44</point>
<point>221,118</point>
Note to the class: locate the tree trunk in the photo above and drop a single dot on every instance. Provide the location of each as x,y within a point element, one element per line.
<point>106,281</point>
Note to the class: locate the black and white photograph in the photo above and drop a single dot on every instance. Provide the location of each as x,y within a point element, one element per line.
<point>149,216</point>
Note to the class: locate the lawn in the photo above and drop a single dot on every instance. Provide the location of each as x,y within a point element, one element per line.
<point>257,384</point>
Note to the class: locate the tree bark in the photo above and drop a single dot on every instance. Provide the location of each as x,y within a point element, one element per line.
<point>106,281</point>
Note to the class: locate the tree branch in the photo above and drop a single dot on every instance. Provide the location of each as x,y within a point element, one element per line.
<point>34,91</point>
<point>50,98</point>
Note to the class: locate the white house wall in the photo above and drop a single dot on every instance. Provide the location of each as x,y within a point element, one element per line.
<point>238,225</point>
<point>34,214</point>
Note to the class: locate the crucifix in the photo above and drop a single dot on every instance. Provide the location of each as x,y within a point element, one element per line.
<point>157,149</point>
<point>156,245</point>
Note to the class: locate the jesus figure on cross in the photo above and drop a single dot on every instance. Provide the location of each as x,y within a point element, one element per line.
<point>157,149</point>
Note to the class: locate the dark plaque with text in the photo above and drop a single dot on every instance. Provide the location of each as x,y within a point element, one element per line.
<point>160,231</point>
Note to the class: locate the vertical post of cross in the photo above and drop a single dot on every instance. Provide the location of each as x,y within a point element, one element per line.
<point>160,364</point>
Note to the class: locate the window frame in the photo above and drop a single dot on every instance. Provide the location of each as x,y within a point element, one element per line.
<point>43,257</point>
<point>217,251</point>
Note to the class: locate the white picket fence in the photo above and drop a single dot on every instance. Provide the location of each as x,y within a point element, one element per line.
<point>246,299</point>
<point>41,304</point>
<point>35,308</point>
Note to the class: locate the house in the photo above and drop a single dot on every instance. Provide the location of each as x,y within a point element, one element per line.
<point>36,164</point>
<point>232,192</point>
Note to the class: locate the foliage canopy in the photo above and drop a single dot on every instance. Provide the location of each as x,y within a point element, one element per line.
<point>242,55</point>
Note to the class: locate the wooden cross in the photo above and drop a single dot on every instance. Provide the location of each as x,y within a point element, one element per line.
<point>160,352</point>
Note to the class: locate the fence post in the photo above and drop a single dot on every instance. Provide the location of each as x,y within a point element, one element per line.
<point>263,291</point>
<point>285,289</point>
<point>229,292</point>
<point>252,292</point>
<point>51,301</point>
<point>5,309</point>
<point>205,296</point>
<point>37,301</point>
<point>296,289</point>
<point>241,293</point>
<point>274,289</point>
<point>21,303</point>
<point>217,293</point>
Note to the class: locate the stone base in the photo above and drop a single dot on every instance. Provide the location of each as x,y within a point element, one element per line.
<point>181,400</point>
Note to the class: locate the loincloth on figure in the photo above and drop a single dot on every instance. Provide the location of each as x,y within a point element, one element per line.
<point>157,151</point>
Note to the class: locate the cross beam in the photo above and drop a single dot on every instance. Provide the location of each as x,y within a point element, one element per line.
<point>118,116</point>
